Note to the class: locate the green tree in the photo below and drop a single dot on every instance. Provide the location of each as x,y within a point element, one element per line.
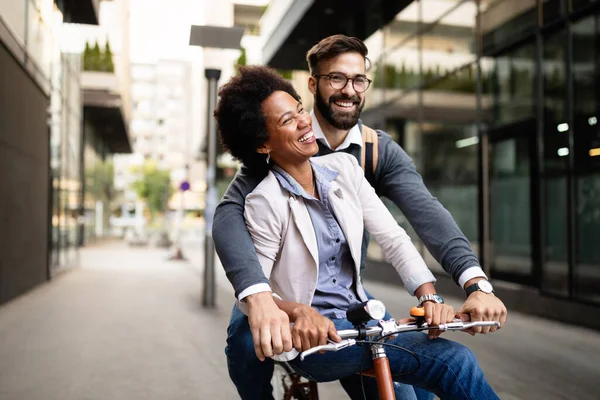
<point>390,76</point>
<point>99,181</point>
<point>99,186</point>
<point>96,58</point>
<point>107,59</point>
<point>241,59</point>
<point>86,57</point>
<point>285,73</point>
<point>154,187</point>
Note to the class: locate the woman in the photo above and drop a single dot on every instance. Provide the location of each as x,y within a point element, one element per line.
<point>306,219</point>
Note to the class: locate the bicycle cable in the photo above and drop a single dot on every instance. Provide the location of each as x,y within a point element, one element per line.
<point>395,346</point>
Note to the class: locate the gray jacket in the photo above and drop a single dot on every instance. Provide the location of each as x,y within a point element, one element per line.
<point>395,178</point>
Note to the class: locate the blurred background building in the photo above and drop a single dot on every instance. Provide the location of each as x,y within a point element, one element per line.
<point>103,110</point>
<point>55,122</point>
<point>497,102</point>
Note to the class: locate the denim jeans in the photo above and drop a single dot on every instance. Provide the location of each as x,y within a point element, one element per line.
<point>445,368</point>
<point>252,377</point>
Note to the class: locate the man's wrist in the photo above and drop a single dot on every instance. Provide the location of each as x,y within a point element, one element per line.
<point>478,285</point>
<point>259,298</point>
<point>472,282</point>
<point>298,311</point>
<point>256,288</point>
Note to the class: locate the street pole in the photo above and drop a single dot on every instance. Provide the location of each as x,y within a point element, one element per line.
<point>208,298</point>
<point>212,37</point>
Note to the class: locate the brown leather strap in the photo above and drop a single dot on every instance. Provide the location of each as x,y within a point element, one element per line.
<point>369,153</point>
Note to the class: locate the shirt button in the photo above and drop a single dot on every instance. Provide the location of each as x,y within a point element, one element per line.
<point>350,297</point>
<point>334,280</point>
<point>333,258</point>
<point>337,240</point>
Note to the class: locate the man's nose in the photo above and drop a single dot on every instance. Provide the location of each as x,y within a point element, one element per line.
<point>348,90</point>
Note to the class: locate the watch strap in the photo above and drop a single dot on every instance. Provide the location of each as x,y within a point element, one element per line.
<point>473,288</point>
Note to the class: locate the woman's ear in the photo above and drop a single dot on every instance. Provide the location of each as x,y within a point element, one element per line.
<point>263,150</point>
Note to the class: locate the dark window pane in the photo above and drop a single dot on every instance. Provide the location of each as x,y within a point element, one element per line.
<point>586,54</point>
<point>510,207</point>
<point>552,10</point>
<point>511,85</point>
<point>587,272</point>
<point>450,171</point>
<point>556,162</point>
<point>504,24</point>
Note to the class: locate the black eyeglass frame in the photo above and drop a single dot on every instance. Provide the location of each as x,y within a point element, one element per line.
<point>329,76</point>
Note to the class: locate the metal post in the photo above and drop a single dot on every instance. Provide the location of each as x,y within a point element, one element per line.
<point>208,298</point>
<point>484,158</point>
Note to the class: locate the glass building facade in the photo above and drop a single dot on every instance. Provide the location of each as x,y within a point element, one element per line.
<point>497,102</point>
<point>30,30</point>
<point>65,161</point>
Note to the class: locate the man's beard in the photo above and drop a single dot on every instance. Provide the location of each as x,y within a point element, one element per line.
<point>339,119</point>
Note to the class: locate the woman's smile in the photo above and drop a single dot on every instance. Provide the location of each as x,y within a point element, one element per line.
<point>308,138</point>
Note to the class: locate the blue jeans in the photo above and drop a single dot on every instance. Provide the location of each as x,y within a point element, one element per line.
<point>252,377</point>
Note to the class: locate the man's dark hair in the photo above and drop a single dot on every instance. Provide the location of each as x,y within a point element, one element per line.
<point>333,46</point>
<point>240,120</point>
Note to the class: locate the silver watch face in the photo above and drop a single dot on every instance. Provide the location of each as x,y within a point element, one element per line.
<point>431,297</point>
<point>438,299</point>
<point>485,286</point>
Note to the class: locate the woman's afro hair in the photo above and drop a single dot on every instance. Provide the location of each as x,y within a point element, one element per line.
<point>240,120</point>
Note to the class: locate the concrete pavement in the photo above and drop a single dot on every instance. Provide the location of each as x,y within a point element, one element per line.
<point>129,325</point>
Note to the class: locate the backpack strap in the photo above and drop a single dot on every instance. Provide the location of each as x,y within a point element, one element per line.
<point>369,153</point>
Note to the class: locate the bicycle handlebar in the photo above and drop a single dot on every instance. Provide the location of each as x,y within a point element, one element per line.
<point>390,327</point>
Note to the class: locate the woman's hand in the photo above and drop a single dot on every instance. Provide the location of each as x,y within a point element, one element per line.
<point>436,314</point>
<point>311,328</point>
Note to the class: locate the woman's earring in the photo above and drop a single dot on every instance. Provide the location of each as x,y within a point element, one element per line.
<point>268,156</point>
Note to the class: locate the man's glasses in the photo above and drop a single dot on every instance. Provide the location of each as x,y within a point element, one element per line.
<point>339,81</point>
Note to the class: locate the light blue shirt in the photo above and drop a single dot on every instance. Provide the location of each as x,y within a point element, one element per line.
<point>335,291</point>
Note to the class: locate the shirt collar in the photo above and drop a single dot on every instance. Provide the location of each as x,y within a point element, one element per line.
<point>323,175</point>
<point>354,135</point>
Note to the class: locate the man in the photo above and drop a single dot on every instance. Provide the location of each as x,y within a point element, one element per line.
<point>335,64</point>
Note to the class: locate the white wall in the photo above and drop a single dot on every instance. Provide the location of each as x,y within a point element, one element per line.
<point>13,14</point>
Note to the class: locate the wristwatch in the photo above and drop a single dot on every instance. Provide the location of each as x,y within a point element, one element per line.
<point>483,285</point>
<point>436,298</point>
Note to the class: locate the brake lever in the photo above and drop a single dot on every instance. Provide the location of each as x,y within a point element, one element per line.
<point>331,346</point>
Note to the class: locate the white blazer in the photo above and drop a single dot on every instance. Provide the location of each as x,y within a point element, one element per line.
<point>285,241</point>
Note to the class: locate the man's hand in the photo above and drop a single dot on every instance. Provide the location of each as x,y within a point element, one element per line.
<point>270,326</point>
<point>436,314</point>
<point>483,307</point>
<point>311,328</point>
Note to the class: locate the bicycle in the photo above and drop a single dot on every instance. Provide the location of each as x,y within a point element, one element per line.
<point>288,384</point>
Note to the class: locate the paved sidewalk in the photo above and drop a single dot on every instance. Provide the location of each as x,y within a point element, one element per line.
<point>127,325</point>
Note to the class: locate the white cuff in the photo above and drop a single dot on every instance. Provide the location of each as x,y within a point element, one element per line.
<point>413,282</point>
<point>470,273</point>
<point>250,290</point>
